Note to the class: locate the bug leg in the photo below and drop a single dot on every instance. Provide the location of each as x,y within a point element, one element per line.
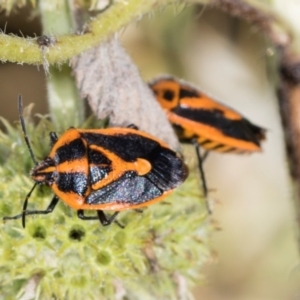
<point>25,212</point>
<point>139,211</point>
<point>201,170</point>
<point>80,215</point>
<point>133,126</point>
<point>204,156</point>
<point>104,220</point>
<point>53,138</point>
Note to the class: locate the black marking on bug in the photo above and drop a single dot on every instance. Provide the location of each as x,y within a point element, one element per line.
<point>99,166</point>
<point>205,142</point>
<point>188,93</point>
<point>229,150</point>
<point>217,147</point>
<point>75,182</point>
<point>95,157</point>
<point>74,150</point>
<point>97,173</point>
<point>168,95</point>
<point>163,160</point>
<point>128,146</point>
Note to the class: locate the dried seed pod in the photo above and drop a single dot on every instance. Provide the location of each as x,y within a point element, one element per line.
<point>109,80</point>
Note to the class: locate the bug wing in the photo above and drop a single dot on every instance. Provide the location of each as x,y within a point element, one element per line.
<point>167,172</point>
<point>215,129</point>
<point>129,188</point>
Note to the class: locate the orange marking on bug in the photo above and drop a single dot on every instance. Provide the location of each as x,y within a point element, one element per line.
<point>142,166</point>
<point>72,199</point>
<point>74,166</point>
<point>67,137</point>
<point>50,169</point>
<point>114,206</point>
<point>119,167</point>
<point>42,171</point>
<point>203,102</point>
<point>161,87</point>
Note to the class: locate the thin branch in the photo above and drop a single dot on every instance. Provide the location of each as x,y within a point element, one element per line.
<point>288,88</point>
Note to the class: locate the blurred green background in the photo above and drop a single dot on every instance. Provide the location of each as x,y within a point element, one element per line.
<point>256,255</point>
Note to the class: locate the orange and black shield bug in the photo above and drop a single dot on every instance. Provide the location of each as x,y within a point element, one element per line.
<point>205,122</point>
<point>104,169</point>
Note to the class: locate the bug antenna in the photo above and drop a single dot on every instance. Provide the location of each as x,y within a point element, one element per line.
<point>20,102</point>
<point>25,204</point>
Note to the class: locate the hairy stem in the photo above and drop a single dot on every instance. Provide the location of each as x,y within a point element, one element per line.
<point>26,50</point>
<point>66,107</point>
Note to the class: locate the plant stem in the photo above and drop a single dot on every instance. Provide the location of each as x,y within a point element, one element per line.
<point>66,107</point>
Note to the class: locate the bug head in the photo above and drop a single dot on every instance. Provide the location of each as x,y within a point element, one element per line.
<point>44,172</point>
<point>166,91</point>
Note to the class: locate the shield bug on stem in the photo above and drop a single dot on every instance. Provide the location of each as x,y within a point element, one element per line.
<point>205,122</point>
<point>111,169</point>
